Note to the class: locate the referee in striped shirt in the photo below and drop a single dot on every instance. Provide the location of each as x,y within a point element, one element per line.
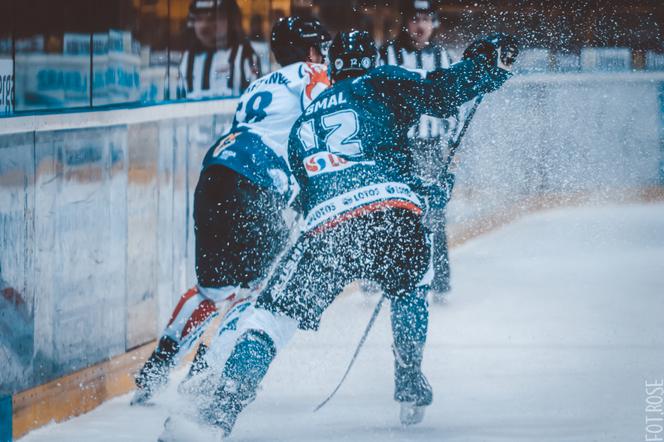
<point>413,49</point>
<point>221,61</point>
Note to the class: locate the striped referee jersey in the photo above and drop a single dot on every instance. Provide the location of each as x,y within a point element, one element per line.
<point>218,73</point>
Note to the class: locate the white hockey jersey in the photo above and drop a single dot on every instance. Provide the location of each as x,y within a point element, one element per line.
<point>271,104</point>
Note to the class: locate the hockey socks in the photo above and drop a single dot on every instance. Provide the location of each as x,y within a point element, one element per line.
<point>245,369</point>
<point>193,312</point>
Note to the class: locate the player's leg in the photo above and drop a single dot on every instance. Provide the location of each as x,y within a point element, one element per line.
<point>261,233</point>
<point>263,335</point>
<point>213,201</point>
<point>409,312</point>
<point>409,318</point>
<point>206,367</point>
<point>191,314</point>
<point>286,304</point>
<point>218,402</point>
<point>237,233</point>
<point>258,234</point>
<point>440,285</point>
<point>306,281</point>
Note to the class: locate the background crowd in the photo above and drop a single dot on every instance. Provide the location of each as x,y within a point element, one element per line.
<point>78,54</point>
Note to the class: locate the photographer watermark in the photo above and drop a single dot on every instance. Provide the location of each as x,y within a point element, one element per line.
<point>654,411</point>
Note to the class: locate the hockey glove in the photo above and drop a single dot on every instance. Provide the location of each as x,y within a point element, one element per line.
<point>494,55</point>
<point>496,51</point>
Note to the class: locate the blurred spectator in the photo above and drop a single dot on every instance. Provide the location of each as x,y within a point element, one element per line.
<point>414,48</point>
<point>220,62</point>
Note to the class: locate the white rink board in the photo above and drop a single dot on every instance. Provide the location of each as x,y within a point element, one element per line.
<point>552,329</point>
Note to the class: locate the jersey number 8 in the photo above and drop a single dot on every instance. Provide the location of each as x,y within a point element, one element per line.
<point>341,134</point>
<point>256,109</point>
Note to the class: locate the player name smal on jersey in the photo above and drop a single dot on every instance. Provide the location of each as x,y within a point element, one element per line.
<point>363,196</point>
<point>326,162</point>
<point>326,103</point>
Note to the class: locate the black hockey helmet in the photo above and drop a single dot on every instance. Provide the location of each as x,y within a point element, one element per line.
<point>293,36</point>
<point>351,54</point>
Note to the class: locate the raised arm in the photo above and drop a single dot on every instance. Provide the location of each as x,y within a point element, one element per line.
<point>485,66</point>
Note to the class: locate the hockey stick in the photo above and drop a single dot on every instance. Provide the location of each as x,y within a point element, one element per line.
<point>444,175</point>
<point>454,145</point>
<point>357,351</point>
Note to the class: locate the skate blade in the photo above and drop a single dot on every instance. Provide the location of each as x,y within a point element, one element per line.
<point>411,414</point>
<point>181,429</point>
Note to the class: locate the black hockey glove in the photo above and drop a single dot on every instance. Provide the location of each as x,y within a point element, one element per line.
<point>496,54</point>
<point>496,51</point>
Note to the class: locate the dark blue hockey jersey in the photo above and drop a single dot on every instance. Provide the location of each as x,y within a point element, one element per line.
<point>349,151</point>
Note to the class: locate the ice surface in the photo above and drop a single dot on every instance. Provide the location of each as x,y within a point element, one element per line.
<point>554,325</point>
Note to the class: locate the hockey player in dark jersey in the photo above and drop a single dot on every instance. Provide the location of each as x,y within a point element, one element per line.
<point>363,215</point>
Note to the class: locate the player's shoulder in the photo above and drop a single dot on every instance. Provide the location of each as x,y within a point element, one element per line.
<point>394,73</point>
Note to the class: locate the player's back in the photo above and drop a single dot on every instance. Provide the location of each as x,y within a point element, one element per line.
<point>346,149</point>
<point>271,104</point>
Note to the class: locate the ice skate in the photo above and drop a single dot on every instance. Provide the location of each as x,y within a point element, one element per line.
<point>141,397</point>
<point>184,429</point>
<point>440,286</point>
<point>228,402</point>
<point>414,393</point>
<point>153,376</point>
<point>199,387</point>
<point>411,414</point>
<point>411,388</point>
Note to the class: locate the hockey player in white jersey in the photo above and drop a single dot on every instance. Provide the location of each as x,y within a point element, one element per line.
<point>245,184</point>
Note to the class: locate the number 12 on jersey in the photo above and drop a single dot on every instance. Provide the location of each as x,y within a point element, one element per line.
<point>341,130</point>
